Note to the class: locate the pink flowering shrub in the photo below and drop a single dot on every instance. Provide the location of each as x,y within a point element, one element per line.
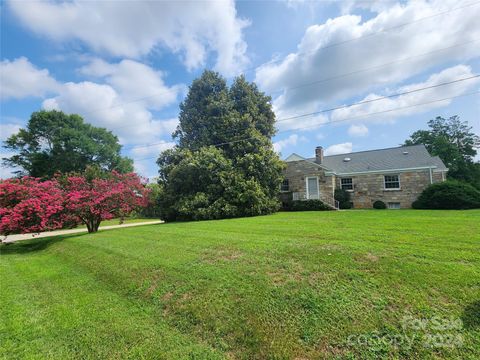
<point>103,199</point>
<point>29,205</point>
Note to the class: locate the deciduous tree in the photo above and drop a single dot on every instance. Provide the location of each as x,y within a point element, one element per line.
<point>455,143</point>
<point>56,142</point>
<point>30,205</point>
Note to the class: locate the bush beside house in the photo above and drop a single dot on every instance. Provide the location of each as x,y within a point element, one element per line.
<point>306,205</point>
<point>343,198</point>
<point>379,205</point>
<point>448,195</point>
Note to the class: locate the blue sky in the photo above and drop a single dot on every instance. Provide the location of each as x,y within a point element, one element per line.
<point>126,66</point>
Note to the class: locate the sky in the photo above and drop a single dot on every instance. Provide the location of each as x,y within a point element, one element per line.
<point>127,65</point>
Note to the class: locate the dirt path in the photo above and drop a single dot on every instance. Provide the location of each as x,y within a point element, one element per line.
<point>18,237</point>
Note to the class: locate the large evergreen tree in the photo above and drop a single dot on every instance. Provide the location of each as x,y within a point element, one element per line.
<point>455,143</point>
<point>56,142</point>
<point>224,165</point>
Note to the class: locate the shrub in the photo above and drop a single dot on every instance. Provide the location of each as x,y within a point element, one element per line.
<point>308,205</point>
<point>343,197</point>
<point>31,205</point>
<point>448,195</point>
<point>379,204</point>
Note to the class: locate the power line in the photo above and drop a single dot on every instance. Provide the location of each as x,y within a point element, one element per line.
<point>372,67</point>
<point>370,34</point>
<point>354,72</point>
<point>346,106</point>
<point>341,120</point>
<point>304,53</point>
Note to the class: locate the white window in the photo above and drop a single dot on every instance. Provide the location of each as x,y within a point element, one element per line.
<point>346,183</point>
<point>312,188</point>
<point>393,205</point>
<point>392,182</point>
<point>285,186</point>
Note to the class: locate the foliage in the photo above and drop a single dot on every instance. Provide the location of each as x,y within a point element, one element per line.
<point>448,195</point>
<point>225,165</point>
<point>455,143</point>
<point>153,208</point>
<point>266,287</point>
<point>205,185</point>
<point>379,204</point>
<point>343,198</point>
<point>29,205</point>
<point>307,205</point>
<point>101,199</point>
<point>56,142</point>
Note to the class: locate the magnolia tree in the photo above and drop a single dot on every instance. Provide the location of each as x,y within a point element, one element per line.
<point>29,205</point>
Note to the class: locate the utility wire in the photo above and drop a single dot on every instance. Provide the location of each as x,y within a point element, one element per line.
<point>350,73</point>
<point>344,106</point>
<point>370,34</point>
<point>341,120</point>
<point>304,53</point>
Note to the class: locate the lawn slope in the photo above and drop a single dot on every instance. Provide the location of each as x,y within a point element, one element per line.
<point>286,286</point>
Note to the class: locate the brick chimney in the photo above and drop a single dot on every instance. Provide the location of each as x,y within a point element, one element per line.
<point>319,154</point>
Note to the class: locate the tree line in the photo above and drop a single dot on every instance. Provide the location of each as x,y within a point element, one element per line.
<point>223,164</point>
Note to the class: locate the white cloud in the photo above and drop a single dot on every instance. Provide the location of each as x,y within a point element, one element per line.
<point>8,129</point>
<point>134,80</point>
<point>123,103</point>
<point>408,101</point>
<point>145,155</point>
<point>279,145</point>
<point>314,60</point>
<point>19,79</point>
<point>131,29</point>
<point>358,130</point>
<point>343,148</point>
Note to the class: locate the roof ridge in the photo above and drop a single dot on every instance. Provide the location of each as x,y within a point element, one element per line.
<point>389,148</point>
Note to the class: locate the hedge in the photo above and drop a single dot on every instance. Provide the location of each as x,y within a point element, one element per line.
<point>448,195</point>
<point>306,205</point>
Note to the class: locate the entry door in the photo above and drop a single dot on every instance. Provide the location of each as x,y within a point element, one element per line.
<point>312,188</point>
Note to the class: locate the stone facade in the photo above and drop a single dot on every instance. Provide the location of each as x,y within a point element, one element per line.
<point>367,187</point>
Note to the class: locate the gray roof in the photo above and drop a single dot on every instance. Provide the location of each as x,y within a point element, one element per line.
<point>397,158</point>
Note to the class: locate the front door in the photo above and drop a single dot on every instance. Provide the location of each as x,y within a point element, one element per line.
<point>312,188</point>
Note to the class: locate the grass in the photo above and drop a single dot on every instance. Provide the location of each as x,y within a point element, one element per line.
<point>126,221</point>
<point>288,286</point>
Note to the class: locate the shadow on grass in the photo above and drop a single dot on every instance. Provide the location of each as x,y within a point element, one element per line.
<point>471,316</point>
<point>33,245</point>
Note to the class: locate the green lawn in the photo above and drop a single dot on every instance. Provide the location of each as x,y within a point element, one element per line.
<point>126,221</point>
<point>287,286</point>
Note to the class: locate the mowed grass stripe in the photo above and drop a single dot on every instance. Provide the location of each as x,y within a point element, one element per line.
<point>282,286</point>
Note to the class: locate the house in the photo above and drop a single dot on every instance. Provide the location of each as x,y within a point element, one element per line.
<point>395,176</point>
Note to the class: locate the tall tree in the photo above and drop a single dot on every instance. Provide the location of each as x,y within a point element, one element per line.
<point>56,142</point>
<point>224,165</point>
<point>455,143</point>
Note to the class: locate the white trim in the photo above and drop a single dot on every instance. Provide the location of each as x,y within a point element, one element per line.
<point>392,189</point>
<point>346,177</point>
<point>294,157</point>
<point>383,171</point>
<point>306,187</point>
<point>431,177</point>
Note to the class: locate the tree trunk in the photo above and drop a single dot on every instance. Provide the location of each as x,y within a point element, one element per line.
<point>93,224</point>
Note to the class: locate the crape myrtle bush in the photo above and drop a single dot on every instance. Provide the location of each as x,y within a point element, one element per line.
<point>448,195</point>
<point>30,205</point>
<point>379,204</point>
